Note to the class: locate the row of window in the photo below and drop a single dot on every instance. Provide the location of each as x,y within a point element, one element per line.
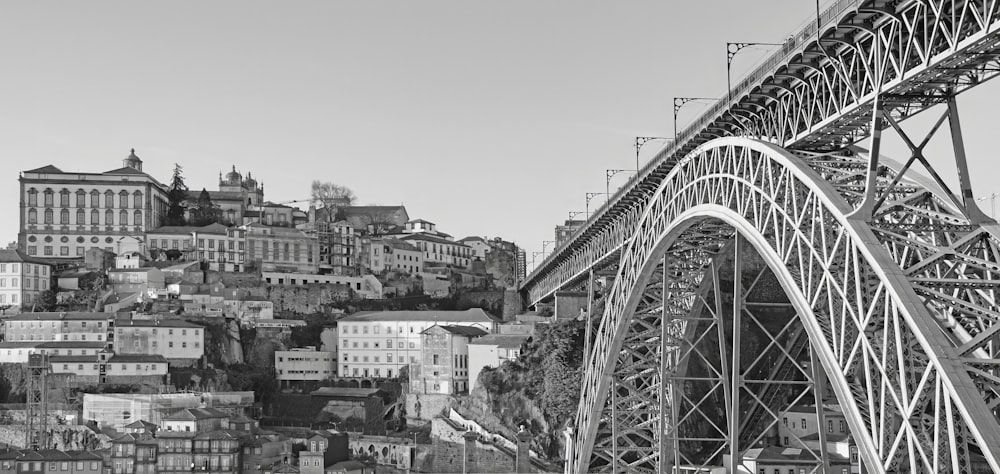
<point>81,198</point>
<point>81,217</point>
<point>356,372</point>
<point>55,337</point>
<point>124,367</point>
<point>377,360</point>
<point>36,466</point>
<point>353,328</point>
<point>364,344</point>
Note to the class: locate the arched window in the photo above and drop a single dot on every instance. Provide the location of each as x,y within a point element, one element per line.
<point>48,198</point>
<point>95,199</point>
<point>137,217</point>
<point>123,218</point>
<point>109,217</point>
<point>123,199</point>
<point>81,198</point>
<point>64,215</point>
<point>95,217</point>
<point>48,216</point>
<point>231,215</point>
<point>32,197</point>
<point>64,198</point>
<point>137,199</point>
<point>32,216</point>
<point>109,199</point>
<point>81,217</point>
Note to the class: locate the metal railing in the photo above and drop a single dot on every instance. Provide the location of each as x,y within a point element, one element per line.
<point>791,45</point>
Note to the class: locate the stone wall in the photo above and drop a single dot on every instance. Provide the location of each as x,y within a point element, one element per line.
<point>62,437</point>
<point>394,452</point>
<point>305,299</point>
<point>429,405</point>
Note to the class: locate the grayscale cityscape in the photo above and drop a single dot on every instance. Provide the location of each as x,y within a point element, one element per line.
<point>371,237</point>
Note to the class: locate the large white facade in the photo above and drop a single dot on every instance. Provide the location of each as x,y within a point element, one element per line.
<point>63,214</point>
<point>380,344</point>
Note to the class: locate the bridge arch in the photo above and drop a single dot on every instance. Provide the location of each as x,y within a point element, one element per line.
<point>902,383</point>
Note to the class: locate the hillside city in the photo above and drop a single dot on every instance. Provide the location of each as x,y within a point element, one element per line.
<point>152,328</point>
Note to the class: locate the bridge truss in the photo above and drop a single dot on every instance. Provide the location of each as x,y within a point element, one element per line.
<point>889,280</point>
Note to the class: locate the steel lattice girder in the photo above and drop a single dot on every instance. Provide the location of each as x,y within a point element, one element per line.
<point>816,95</point>
<point>919,389</point>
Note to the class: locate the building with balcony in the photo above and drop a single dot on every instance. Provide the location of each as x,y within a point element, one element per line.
<point>63,214</point>
<point>439,251</point>
<point>51,461</point>
<point>379,344</point>
<point>133,453</point>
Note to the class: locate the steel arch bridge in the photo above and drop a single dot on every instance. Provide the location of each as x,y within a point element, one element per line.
<point>888,281</point>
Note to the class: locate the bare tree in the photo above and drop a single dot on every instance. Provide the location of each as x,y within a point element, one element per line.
<point>331,195</point>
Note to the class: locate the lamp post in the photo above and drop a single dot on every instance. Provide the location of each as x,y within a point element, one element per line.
<point>993,203</point>
<point>611,174</point>
<point>639,142</point>
<point>732,49</point>
<point>546,242</point>
<point>680,102</point>
<point>589,197</point>
<point>533,255</point>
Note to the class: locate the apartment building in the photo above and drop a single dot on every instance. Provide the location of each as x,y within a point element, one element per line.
<point>379,344</point>
<point>443,366</point>
<point>73,326</point>
<point>175,340</point>
<point>22,279</point>
<point>304,364</point>
<point>281,249</point>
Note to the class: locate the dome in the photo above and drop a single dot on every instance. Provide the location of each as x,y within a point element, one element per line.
<point>233,176</point>
<point>250,182</point>
<point>132,161</point>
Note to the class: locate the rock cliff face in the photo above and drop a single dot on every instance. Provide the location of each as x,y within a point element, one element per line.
<point>65,438</point>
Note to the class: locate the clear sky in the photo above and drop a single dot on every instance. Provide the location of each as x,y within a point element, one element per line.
<point>487,118</point>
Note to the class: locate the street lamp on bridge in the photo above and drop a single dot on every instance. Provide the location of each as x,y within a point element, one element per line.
<point>680,102</point>
<point>533,255</point>
<point>546,242</point>
<point>592,196</point>
<point>732,49</point>
<point>611,174</point>
<point>639,142</point>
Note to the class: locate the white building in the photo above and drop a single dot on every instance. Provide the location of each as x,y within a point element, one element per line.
<point>379,344</point>
<point>304,364</point>
<point>492,351</point>
<point>478,245</point>
<point>56,327</point>
<point>63,214</point>
<point>17,352</point>
<point>173,339</point>
<point>22,278</point>
<point>366,286</point>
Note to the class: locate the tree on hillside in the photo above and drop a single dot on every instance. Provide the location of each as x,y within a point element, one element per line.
<point>374,222</point>
<point>177,195</point>
<point>206,212</point>
<point>330,195</point>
